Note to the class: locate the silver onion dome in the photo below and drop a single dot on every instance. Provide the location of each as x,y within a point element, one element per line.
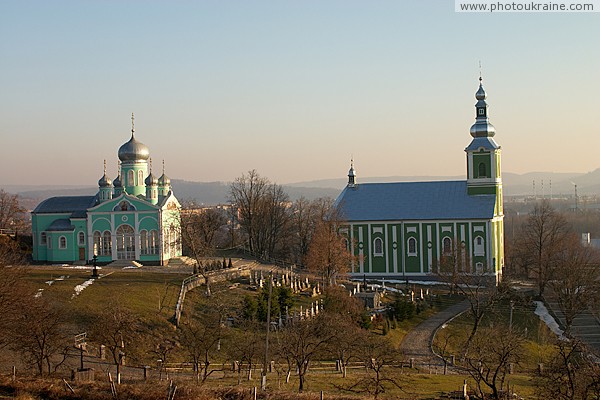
<point>482,129</point>
<point>104,181</point>
<point>117,182</point>
<point>164,180</point>
<point>351,171</point>
<point>151,180</point>
<point>481,95</point>
<point>133,150</point>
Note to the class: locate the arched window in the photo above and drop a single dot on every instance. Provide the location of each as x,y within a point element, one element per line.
<point>479,267</point>
<point>144,241</point>
<point>140,178</point>
<point>479,246</point>
<point>97,243</point>
<point>62,242</point>
<point>447,246</point>
<point>377,247</point>
<point>43,239</point>
<point>482,170</point>
<point>153,242</point>
<point>106,243</point>
<point>130,178</point>
<point>81,239</point>
<point>412,246</point>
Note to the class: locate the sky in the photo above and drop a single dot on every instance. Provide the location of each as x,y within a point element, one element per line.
<point>290,88</point>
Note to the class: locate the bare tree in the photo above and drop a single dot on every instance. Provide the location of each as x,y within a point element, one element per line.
<point>347,344</point>
<point>492,352</point>
<point>200,338</point>
<point>477,286</point>
<point>264,213</point>
<point>575,283</point>
<point>571,373</point>
<point>198,229</point>
<point>246,193</point>
<point>38,334</point>
<point>305,217</point>
<point>12,214</point>
<point>540,242</point>
<point>246,347</point>
<point>329,253</point>
<point>378,356</point>
<point>14,292</point>
<point>301,341</point>
<point>117,329</point>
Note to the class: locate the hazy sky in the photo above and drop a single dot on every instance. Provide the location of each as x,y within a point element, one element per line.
<point>290,88</point>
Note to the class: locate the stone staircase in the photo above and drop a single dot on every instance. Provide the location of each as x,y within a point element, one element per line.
<point>586,326</point>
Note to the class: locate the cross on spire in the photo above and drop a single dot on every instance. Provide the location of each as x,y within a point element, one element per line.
<point>104,166</point>
<point>132,123</point>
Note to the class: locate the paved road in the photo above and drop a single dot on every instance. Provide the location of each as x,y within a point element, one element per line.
<point>417,343</point>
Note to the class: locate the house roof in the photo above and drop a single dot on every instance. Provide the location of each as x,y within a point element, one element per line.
<point>76,205</point>
<point>413,201</point>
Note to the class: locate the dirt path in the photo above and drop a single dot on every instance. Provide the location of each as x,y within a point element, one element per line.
<point>417,343</point>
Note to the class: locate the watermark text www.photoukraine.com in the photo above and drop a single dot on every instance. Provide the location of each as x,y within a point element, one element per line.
<point>526,6</point>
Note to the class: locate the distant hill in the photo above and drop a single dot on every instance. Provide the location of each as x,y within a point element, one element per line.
<point>514,184</point>
<point>211,193</point>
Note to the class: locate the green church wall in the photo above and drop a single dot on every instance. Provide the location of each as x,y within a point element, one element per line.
<point>412,261</point>
<point>378,260</point>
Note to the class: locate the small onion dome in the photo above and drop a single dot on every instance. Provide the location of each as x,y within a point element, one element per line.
<point>164,180</point>
<point>104,181</point>
<point>481,95</point>
<point>133,151</point>
<point>151,180</point>
<point>117,182</point>
<point>351,172</point>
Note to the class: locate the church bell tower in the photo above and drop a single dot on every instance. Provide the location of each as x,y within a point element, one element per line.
<point>483,153</point>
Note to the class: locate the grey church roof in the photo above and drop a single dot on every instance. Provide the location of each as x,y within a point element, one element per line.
<point>487,143</point>
<point>76,205</point>
<point>62,225</point>
<point>413,201</point>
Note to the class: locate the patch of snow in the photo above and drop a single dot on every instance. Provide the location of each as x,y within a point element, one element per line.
<point>49,283</point>
<point>79,288</point>
<point>87,267</point>
<point>131,267</point>
<point>542,312</point>
<point>38,294</point>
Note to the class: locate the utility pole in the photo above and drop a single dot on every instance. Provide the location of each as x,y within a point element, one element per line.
<point>266,360</point>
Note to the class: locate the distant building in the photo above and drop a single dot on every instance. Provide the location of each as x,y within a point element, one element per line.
<point>134,217</point>
<point>402,230</point>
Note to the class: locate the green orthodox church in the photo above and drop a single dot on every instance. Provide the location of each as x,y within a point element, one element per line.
<point>134,217</point>
<point>404,230</point>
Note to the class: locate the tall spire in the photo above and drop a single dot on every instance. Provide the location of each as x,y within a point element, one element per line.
<point>351,174</point>
<point>482,126</point>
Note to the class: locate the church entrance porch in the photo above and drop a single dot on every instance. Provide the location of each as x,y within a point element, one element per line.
<point>125,243</point>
